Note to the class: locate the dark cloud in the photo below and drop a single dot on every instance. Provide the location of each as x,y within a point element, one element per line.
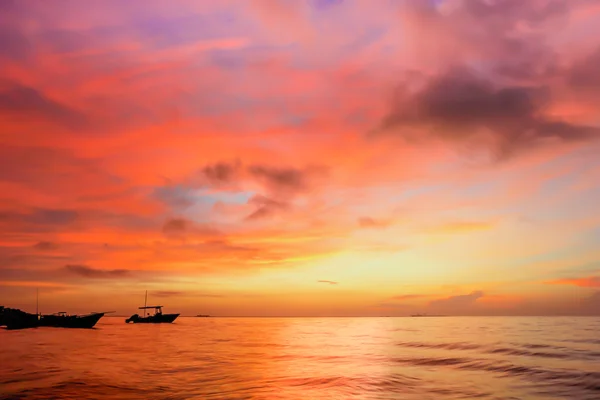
<point>46,216</point>
<point>175,225</point>
<point>54,170</point>
<point>222,172</point>
<point>40,220</point>
<point>585,75</point>
<point>265,207</point>
<point>457,302</point>
<point>280,178</point>
<point>180,228</point>
<point>176,197</point>
<point>46,246</point>
<point>25,102</point>
<point>328,282</point>
<point>368,222</point>
<point>89,272</point>
<point>14,44</point>
<point>459,106</point>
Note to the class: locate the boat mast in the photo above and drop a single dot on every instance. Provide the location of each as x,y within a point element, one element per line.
<point>37,300</point>
<point>145,302</point>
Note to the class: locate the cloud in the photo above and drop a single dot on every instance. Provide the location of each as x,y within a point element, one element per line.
<point>280,179</point>
<point>227,247</point>
<point>410,296</point>
<point>53,216</point>
<point>22,102</point>
<point>457,303</point>
<point>591,281</point>
<point>46,245</point>
<point>265,207</point>
<point>177,197</point>
<point>167,293</point>
<point>328,282</point>
<point>175,226</point>
<point>583,75</point>
<point>94,273</point>
<point>460,107</point>
<point>222,172</point>
<point>461,227</point>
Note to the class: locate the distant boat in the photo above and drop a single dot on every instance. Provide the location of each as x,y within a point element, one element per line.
<point>157,318</point>
<point>427,315</point>
<point>202,316</point>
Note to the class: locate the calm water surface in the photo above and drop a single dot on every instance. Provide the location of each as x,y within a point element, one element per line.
<point>307,358</point>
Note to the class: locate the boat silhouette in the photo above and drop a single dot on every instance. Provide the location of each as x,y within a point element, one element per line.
<point>427,315</point>
<point>64,320</point>
<point>157,318</point>
<point>14,318</point>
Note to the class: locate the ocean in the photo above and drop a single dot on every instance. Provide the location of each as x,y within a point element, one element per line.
<point>307,358</point>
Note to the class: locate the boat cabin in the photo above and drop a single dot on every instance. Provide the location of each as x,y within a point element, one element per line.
<point>157,309</point>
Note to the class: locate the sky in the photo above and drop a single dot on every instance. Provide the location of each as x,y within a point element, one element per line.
<point>301,158</point>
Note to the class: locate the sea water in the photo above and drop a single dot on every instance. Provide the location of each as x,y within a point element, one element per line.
<point>307,358</point>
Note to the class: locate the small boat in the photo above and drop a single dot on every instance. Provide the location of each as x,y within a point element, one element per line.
<point>426,315</point>
<point>63,320</point>
<point>157,318</point>
<point>202,316</point>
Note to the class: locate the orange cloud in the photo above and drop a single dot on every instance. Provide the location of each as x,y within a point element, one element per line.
<point>591,282</point>
<point>461,227</point>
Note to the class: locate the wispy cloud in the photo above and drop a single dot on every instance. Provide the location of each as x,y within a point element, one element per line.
<point>89,272</point>
<point>411,296</point>
<point>590,281</point>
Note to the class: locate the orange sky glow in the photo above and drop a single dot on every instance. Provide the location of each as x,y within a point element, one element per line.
<point>301,158</point>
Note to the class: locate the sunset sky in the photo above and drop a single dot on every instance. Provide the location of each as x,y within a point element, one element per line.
<point>318,157</point>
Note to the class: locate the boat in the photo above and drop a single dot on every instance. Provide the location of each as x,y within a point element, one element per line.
<point>14,318</point>
<point>64,320</point>
<point>426,315</point>
<point>157,318</point>
<point>202,316</point>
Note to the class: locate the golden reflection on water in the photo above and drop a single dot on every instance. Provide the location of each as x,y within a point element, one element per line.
<point>320,358</point>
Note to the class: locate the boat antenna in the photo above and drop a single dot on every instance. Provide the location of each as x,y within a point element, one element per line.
<point>37,300</point>
<point>145,302</point>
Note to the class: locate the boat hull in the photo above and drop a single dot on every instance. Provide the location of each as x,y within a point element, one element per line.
<point>152,319</point>
<point>71,321</point>
<point>17,319</point>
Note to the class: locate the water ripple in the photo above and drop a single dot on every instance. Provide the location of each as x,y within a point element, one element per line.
<point>317,358</point>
